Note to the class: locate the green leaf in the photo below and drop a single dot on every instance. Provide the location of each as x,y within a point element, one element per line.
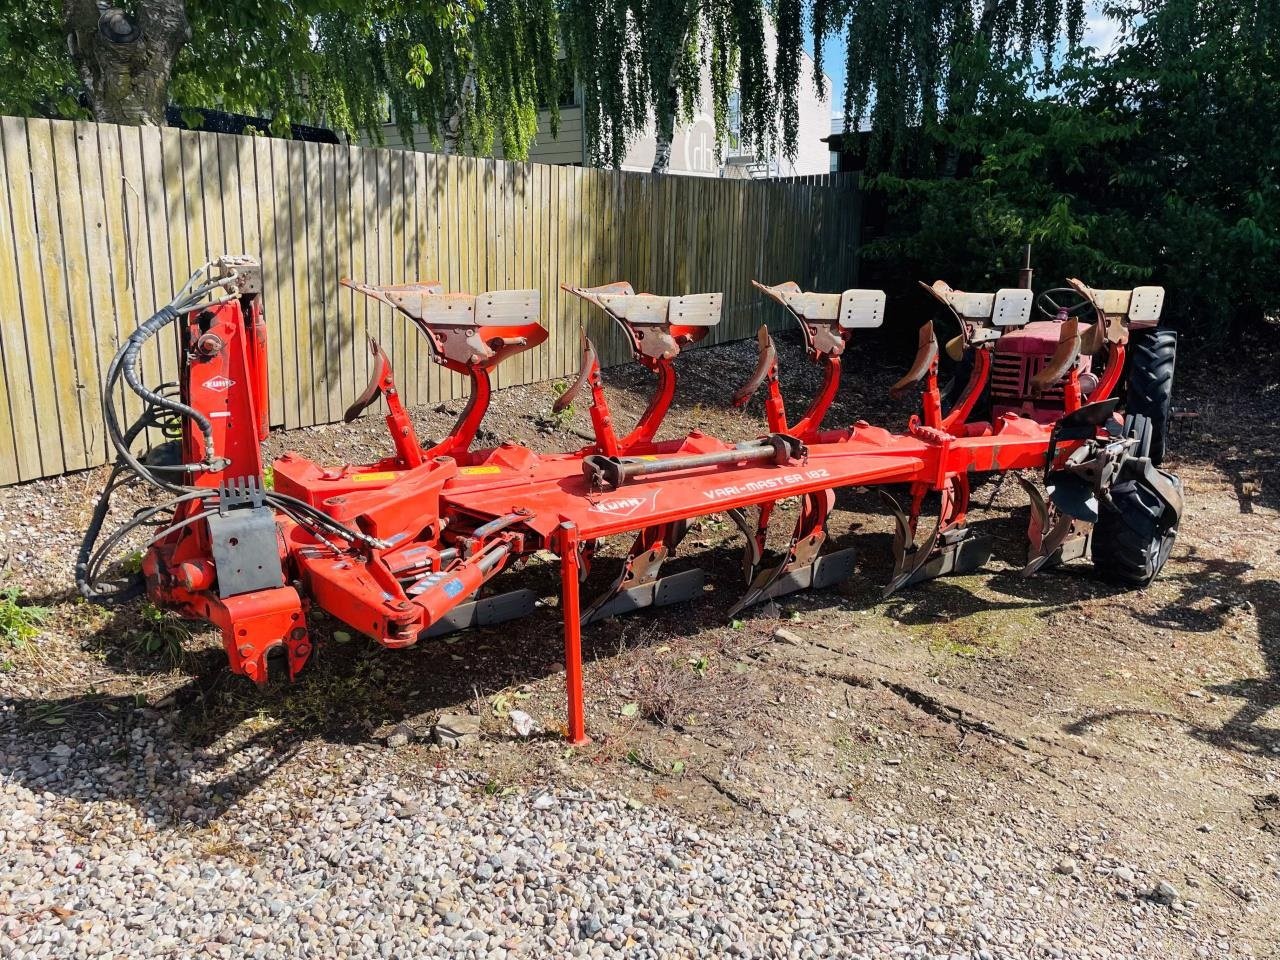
<point>630,709</point>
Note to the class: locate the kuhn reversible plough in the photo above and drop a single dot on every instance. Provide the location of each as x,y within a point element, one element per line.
<point>403,548</point>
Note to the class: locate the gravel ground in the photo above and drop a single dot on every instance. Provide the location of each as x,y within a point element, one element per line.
<point>128,829</point>
<point>343,859</point>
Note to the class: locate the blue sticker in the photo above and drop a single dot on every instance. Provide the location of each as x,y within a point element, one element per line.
<point>453,587</point>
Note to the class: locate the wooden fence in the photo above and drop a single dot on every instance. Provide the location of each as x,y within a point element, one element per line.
<point>100,225</point>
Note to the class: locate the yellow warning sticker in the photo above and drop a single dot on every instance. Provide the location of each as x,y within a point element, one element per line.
<point>375,477</point>
<point>478,471</point>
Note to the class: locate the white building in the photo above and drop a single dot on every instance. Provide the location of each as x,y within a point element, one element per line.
<point>693,148</point>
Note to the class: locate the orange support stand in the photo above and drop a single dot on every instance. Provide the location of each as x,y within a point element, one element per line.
<point>572,633</point>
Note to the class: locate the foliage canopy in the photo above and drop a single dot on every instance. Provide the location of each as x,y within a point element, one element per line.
<point>1156,164</point>
<point>476,71</point>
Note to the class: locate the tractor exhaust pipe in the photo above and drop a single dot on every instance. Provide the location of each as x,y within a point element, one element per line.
<point>1026,274</point>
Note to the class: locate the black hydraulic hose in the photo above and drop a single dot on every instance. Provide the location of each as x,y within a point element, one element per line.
<point>123,441</point>
<point>84,579</point>
<point>91,557</point>
<point>131,365</point>
<point>291,504</point>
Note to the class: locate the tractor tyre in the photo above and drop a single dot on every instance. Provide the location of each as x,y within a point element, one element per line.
<point>1153,354</point>
<point>1130,543</point>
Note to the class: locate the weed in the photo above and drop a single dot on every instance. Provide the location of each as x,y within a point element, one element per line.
<point>161,633</point>
<point>268,478</point>
<point>646,761</point>
<point>51,714</point>
<point>18,624</point>
<point>687,691</point>
<point>559,388</point>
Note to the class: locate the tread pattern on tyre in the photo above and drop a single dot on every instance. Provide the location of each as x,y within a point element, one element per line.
<point>1130,544</point>
<point>1153,356</point>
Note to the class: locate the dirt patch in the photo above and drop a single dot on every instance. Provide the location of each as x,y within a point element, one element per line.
<point>1129,731</point>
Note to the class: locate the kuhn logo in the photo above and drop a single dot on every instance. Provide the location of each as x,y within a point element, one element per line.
<point>218,383</point>
<point>624,506</point>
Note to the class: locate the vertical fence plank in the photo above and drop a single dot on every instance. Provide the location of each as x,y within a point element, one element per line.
<point>268,234</point>
<point>429,215</point>
<point>120,211</point>
<point>97,243</point>
<point>59,371</point>
<point>393,269</point>
<point>357,269</point>
<point>340,380</point>
<point>314,285</point>
<point>296,371</point>
<point>19,446</point>
<point>156,243</point>
<point>84,412</point>
<point>450,243</point>
<point>140,275</point>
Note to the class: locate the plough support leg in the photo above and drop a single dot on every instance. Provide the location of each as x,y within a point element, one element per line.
<point>576,713</point>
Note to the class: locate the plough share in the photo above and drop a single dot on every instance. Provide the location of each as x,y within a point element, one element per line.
<point>404,548</point>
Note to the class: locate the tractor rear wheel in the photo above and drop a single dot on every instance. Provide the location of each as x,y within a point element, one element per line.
<point>1153,354</point>
<point>1131,541</point>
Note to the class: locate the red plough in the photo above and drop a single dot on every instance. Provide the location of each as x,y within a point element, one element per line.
<point>404,548</point>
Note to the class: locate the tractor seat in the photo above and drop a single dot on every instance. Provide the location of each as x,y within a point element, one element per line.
<point>658,326</point>
<point>824,317</point>
<point>466,330</point>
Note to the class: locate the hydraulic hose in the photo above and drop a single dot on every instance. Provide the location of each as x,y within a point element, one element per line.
<point>166,412</point>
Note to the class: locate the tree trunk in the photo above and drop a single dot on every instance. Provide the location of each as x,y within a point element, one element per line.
<point>667,95</point>
<point>664,110</point>
<point>124,60</point>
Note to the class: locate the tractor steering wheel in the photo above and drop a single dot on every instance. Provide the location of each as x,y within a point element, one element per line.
<point>1049,305</point>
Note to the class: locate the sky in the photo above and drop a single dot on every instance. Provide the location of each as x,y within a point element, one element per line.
<point>1100,32</point>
